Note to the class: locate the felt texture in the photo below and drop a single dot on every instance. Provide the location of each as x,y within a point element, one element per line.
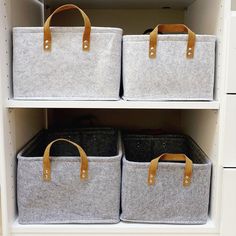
<point>67,72</point>
<point>67,198</point>
<point>169,76</point>
<point>168,201</point>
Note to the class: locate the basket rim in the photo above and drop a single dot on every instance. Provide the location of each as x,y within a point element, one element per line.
<point>73,158</point>
<point>170,37</point>
<point>70,29</point>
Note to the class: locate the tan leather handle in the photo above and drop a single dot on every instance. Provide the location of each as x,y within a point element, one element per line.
<point>172,28</point>
<point>87,28</point>
<point>171,157</point>
<point>47,162</point>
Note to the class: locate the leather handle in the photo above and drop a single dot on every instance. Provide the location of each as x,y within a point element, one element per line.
<point>87,28</point>
<point>172,28</point>
<point>47,161</point>
<point>171,157</point>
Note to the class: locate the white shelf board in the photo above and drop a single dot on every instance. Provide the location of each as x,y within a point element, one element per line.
<point>120,228</point>
<point>123,4</point>
<point>121,104</point>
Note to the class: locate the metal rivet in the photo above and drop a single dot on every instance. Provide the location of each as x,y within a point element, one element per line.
<point>190,49</point>
<point>85,46</point>
<point>186,181</point>
<point>189,53</point>
<point>152,53</point>
<point>46,41</point>
<point>150,181</point>
<point>46,176</point>
<point>186,177</point>
<point>152,48</point>
<point>85,41</point>
<point>151,176</point>
<point>46,171</point>
<point>83,176</point>
<point>84,171</point>
<point>46,46</point>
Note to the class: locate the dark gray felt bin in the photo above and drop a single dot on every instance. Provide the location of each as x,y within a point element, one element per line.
<point>168,201</point>
<point>67,198</point>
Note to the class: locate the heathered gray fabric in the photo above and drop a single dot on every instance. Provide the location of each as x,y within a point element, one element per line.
<point>167,201</point>
<point>67,199</point>
<point>170,76</point>
<point>67,72</point>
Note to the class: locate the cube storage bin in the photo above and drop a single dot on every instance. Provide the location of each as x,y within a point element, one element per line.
<point>168,66</point>
<point>66,63</point>
<point>67,188</point>
<point>180,194</point>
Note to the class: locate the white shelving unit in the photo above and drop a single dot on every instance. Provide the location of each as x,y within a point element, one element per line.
<point>20,120</point>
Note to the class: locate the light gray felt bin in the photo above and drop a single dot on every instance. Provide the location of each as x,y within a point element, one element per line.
<point>167,201</point>
<point>68,71</point>
<point>67,198</point>
<point>170,75</point>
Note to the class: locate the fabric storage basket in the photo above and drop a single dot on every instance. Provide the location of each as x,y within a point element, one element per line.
<point>68,187</point>
<point>170,192</point>
<point>67,63</point>
<point>168,66</point>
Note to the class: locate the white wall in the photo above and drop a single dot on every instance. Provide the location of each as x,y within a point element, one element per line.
<point>134,21</point>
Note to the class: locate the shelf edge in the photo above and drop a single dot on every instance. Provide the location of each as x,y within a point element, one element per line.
<point>121,104</point>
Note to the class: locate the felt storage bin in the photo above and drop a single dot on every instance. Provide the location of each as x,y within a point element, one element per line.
<point>66,63</point>
<point>168,66</point>
<point>173,191</point>
<point>59,183</point>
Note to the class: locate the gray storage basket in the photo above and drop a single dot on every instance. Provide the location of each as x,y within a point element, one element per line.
<point>67,198</point>
<point>170,75</point>
<point>71,70</point>
<point>167,201</point>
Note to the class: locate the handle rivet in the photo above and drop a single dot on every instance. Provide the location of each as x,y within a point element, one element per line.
<point>46,171</point>
<point>152,48</point>
<point>46,46</point>
<point>84,171</point>
<point>83,176</point>
<point>152,53</point>
<point>187,177</point>
<point>189,53</point>
<point>190,49</point>
<point>186,181</point>
<point>46,41</point>
<point>85,46</point>
<point>46,176</point>
<point>150,181</point>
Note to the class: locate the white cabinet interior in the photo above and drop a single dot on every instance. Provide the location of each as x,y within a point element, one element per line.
<point>122,4</point>
<point>21,120</point>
